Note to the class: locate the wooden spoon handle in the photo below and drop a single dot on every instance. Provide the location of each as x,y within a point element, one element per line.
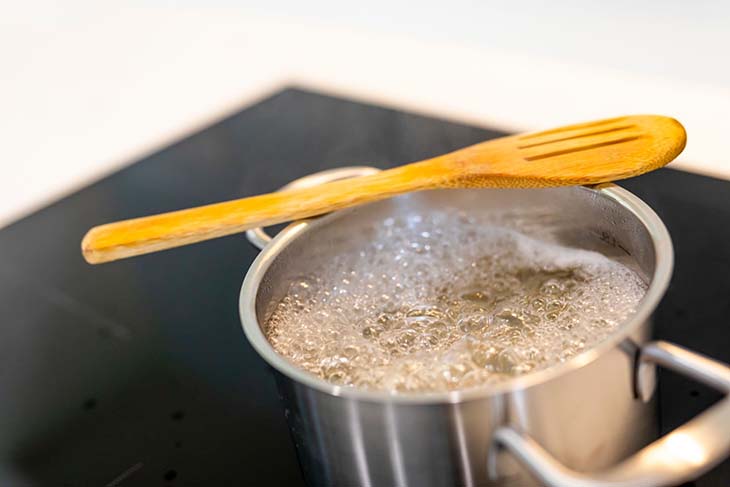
<point>138,236</point>
<point>587,153</point>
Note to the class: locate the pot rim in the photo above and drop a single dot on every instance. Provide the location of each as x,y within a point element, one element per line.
<point>664,262</point>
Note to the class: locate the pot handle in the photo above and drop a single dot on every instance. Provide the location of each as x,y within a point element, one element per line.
<point>258,236</point>
<point>679,456</point>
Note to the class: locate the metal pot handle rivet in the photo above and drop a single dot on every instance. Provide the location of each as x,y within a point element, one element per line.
<point>258,236</point>
<point>681,455</point>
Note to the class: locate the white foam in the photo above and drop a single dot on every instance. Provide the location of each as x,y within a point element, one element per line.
<point>439,302</point>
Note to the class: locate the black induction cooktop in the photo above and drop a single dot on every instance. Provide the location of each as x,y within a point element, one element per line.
<point>137,372</point>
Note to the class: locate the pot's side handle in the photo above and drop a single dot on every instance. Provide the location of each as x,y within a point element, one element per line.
<point>681,455</point>
<point>258,236</point>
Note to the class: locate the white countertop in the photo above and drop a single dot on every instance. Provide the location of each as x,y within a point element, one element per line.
<point>86,89</point>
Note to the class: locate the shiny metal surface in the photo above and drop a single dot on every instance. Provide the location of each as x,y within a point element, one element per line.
<point>258,236</point>
<point>584,414</point>
<point>679,456</point>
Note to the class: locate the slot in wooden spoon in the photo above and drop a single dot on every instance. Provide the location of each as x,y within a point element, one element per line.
<point>587,153</point>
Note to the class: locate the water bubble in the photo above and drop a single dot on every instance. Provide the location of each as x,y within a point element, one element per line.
<point>509,317</point>
<point>551,287</point>
<point>506,360</point>
<point>473,323</point>
<point>552,316</point>
<point>445,301</point>
<point>407,338</point>
<point>424,311</point>
<point>476,297</point>
<point>428,340</point>
<point>482,357</point>
<point>554,306</point>
<point>438,328</point>
<point>372,331</point>
<point>454,372</point>
<point>350,351</point>
<point>389,319</point>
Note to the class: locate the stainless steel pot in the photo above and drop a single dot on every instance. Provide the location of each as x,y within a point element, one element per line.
<point>587,422</point>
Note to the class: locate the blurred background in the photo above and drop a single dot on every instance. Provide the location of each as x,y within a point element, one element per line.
<point>89,86</point>
<point>137,372</point>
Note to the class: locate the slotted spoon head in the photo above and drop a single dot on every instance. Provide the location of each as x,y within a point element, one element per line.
<point>588,153</point>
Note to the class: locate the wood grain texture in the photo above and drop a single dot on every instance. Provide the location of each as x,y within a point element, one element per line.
<point>587,153</point>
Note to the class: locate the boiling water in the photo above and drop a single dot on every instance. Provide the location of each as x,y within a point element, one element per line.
<point>430,304</point>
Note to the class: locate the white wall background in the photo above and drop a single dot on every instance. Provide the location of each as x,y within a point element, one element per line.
<point>88,86</point>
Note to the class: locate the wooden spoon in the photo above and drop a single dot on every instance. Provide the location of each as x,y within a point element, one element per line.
<point>586,153</point>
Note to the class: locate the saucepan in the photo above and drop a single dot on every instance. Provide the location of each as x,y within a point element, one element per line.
<point>587,422</point>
